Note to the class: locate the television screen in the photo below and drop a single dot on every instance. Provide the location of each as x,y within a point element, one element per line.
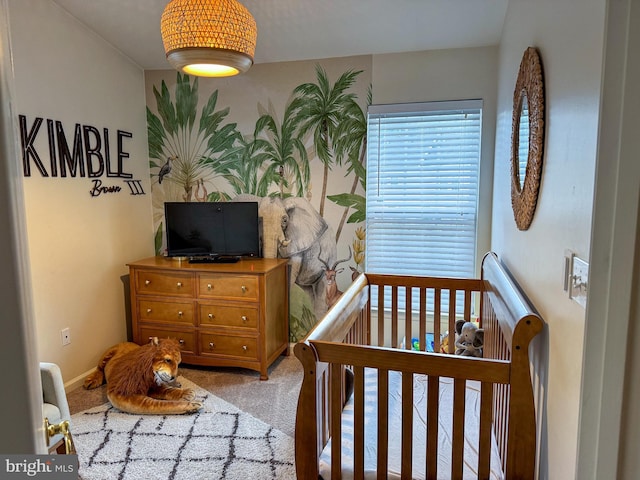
<point>212,228</point>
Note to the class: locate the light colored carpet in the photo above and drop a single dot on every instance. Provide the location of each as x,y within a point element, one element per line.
<point>273,401</point>
<point>219,442</point>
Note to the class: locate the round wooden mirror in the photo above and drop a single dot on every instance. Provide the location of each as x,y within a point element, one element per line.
<point>527,138</point>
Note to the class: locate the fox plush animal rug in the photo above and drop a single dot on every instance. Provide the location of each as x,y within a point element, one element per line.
<point>141,379</point>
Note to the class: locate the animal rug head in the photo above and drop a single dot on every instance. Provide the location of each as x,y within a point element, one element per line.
<point>141,379</point>
<point>154,363</point>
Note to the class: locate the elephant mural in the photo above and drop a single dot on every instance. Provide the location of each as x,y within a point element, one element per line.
<point>293,229</point>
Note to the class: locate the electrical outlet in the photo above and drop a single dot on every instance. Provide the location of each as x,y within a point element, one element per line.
<point>65,335</point>
<point>579,281</point>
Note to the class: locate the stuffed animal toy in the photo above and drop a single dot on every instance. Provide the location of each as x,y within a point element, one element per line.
<point>444,344</point>
<point>469,339</point>
<point>142,379</point>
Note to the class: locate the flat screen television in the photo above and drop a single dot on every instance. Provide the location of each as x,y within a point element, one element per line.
<point>212,229</point>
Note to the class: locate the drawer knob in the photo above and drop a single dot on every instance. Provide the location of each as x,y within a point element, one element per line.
<point>179,284</point>
<point>179,313</point>
<point>209,286</point>
<point>147,282</point>
<point>244,289</point>
<point>244,347</point>
<point>148,310</point>
<point>181,342</point>
<point>212,345</point>
<point>211,315</point>
<point>244,318</point>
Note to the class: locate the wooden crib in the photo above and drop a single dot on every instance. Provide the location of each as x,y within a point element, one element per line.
<point>341,343</point>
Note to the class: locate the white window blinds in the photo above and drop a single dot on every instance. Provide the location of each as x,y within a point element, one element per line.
<point>422,188</point>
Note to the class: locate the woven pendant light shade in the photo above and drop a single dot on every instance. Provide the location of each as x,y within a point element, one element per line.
<point>211,38</point>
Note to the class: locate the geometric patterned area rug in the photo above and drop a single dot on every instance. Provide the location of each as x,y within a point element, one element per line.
<point>220,442</point>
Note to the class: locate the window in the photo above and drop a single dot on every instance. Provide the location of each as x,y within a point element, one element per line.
<point>422,188</point>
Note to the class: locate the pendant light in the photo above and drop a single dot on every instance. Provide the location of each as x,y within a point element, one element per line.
<point>209,38</point>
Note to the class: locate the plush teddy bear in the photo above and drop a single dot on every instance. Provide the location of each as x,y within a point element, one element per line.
<point>469,339</point>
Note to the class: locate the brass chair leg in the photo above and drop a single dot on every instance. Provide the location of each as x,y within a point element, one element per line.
<point>63,428</point>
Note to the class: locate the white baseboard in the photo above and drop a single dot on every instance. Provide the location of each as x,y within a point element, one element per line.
<point>77,382</point>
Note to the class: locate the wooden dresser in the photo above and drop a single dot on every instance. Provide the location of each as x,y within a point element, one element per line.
<point>223,314</point>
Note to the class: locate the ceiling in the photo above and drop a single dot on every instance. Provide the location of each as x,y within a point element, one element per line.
<point>309,29</point>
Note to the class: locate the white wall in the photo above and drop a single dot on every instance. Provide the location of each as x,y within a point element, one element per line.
<point>569,36</point>
<point>78,244</point>
<point>438,75</point>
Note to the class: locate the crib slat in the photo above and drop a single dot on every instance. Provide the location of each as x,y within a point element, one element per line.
<point>380,315</point>
<point>507,396</point>
<point>407,426</point>
<point>457,445</point>
<point>452,320</point>
<point>383,423</point>
<point>467,305</point>
<point>423,319</point>
<point>484,448</point>
<point>499,423</point>
<point>394,317</point>
<point>436,317</point>
<point>503,414</point>
<point>366,322</point>
<point>433,402</point>
<point>358,421</point>
<point>504,425</point>
<point>323,385</point>
<point>408,334</point>
<point>336,420</point>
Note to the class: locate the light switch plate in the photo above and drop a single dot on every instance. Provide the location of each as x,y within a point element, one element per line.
<point>579,281</point>
<point>566,271</point>
<point>65,335</point>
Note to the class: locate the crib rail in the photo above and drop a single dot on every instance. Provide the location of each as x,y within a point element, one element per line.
<point>395,309</point>
<point>511,324</point>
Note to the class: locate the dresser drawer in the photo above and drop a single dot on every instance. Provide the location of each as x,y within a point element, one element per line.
<point>151,282</point>
<point>186,339</point>
<point>235,287</point>
<point>228,316</point>
<point>166,311</point>
<point>228,346</point>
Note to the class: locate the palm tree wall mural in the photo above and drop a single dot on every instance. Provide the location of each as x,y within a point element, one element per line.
<point>284,155</point>
<point>351,142</point>
<point>321,109</point>
<point>193,131</point>
<point>196,152</point>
